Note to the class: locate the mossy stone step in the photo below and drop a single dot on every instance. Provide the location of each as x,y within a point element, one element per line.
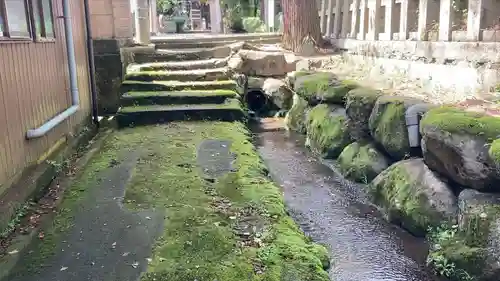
<point>229,111</point>
<point>180,65</point>
<point>177,97</point>
<point>183,54</point>
<point>180,75</point>
<point>141,86</point>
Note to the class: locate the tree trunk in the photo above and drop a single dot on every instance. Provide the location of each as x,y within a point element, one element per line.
<point>300,22</point>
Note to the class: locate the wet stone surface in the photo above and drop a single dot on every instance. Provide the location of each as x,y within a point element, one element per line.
<point>336,213</point>
<point>214,158</point>
<point>108,242</point>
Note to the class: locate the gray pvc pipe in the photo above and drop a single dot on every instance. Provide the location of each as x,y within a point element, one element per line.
<point>412,122</point>
<point>73,83</point>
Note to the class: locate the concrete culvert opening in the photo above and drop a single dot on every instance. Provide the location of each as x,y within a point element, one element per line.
<point>257,101</point>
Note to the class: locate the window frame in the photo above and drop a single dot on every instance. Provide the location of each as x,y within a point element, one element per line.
<point>29,9</point>
<point>43,37</point>
<point>5,36</point>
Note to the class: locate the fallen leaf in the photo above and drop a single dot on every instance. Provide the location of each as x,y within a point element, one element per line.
<point>41,235</point>
<point>135,264</point>
<point>125,254</point>
<point>13,252</point>
<point>63,268</point>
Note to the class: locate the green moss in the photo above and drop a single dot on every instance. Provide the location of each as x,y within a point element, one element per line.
<point>231,104</point>
<point>456,120</point>
<point>388,126</point>
<point>494,151</point>
<point>146,86</point>
<point>327,132</point>
<point>323,86</point>
<point>296,117</point>
<point>361,162</point>
<point>164,75</point>
<point>204,236</point>
<point>207,93</point>
<point>396,193</point>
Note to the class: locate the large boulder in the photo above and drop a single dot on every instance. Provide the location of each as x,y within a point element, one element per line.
<point>359,106</point>
<point>362,162</point>
<point>412,195</point>
<point>474,246</point>
<point>462,146</point>
<point>326,131</point>
<point>296,117</point>
<point>387,125</point>
<point>322,87</point>
<point>262,63</point>
<point>278,92</point>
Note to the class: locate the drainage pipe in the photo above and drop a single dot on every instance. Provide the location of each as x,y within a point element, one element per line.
<point>70,50</point>
<point>412,116</point>
<point>91,62</point>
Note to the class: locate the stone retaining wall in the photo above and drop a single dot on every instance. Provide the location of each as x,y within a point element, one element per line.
<point>434,170</point>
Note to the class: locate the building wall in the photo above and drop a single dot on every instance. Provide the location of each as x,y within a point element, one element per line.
<point>34,88</point>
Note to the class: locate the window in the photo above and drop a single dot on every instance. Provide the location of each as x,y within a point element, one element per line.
<point>23,19</point>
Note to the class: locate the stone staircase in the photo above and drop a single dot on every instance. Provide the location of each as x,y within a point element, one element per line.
<point>173,85</point>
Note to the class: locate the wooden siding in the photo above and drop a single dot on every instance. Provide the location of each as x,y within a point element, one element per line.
<point>34,87</point>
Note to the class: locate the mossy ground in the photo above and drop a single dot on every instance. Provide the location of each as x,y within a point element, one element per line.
<point>232,228</point>
<point>324,86</point>
<point>327,132</point>
<point>207,93</point>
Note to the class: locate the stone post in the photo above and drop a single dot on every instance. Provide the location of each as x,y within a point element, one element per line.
<point>474,17</point>
<point>354,19</point>
<point>330,28</point>
<point>322,14</point>
<point>215,16</point>
<point>427,13</point>
<point>346,4</point>
<point>389,12</point>
<point>142,33</point>
<point>445,20</point>
<point>270,14</point>
<point>403,23</point>
<point>374,20</point>
<point>154,18</point>
<point>338,16</point>
<point>362,23</point>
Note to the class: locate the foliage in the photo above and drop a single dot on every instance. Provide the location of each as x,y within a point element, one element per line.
<point>253,24</point>
<point>167,6</point>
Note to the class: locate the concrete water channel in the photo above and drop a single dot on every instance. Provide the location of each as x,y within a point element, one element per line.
<point>336,213</point>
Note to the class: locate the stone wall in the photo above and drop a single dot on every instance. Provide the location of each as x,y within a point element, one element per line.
<point>434,170</point>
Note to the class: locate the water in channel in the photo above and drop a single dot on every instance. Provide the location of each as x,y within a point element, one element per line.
<point>336,213</point>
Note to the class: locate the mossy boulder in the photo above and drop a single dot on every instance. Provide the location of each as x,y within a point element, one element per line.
<point>291,77</point>
<point>295,119</point>
<point>463,146</point>
<point>362,162</point>
<point>411,195</point>
<point>323,87</point>
<point>387,125</point>
<point>326,130</point>
<point>474,246</point>
<point>359,106</point>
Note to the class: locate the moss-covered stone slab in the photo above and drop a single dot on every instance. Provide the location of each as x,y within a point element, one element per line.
<point>411,195</point>
<point>323,87</point>
<point>462,146</point>
<point>326,130</point>
<point>179,75</point>
<point>180,65</point>
<point>387,125</point>
<point>178,97</point>
<point>231,110</point>
<point>140,86</point>
<point>473,247</point>
<point>163,55</point>
<point>362,162</point>
<point>359,105</point>
<point>296,117</point>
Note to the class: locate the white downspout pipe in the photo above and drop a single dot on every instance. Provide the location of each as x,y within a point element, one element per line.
<point>73,82</point>
<point>412,115</point>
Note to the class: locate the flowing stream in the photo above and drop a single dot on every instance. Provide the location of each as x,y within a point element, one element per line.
<point>335,212</point>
